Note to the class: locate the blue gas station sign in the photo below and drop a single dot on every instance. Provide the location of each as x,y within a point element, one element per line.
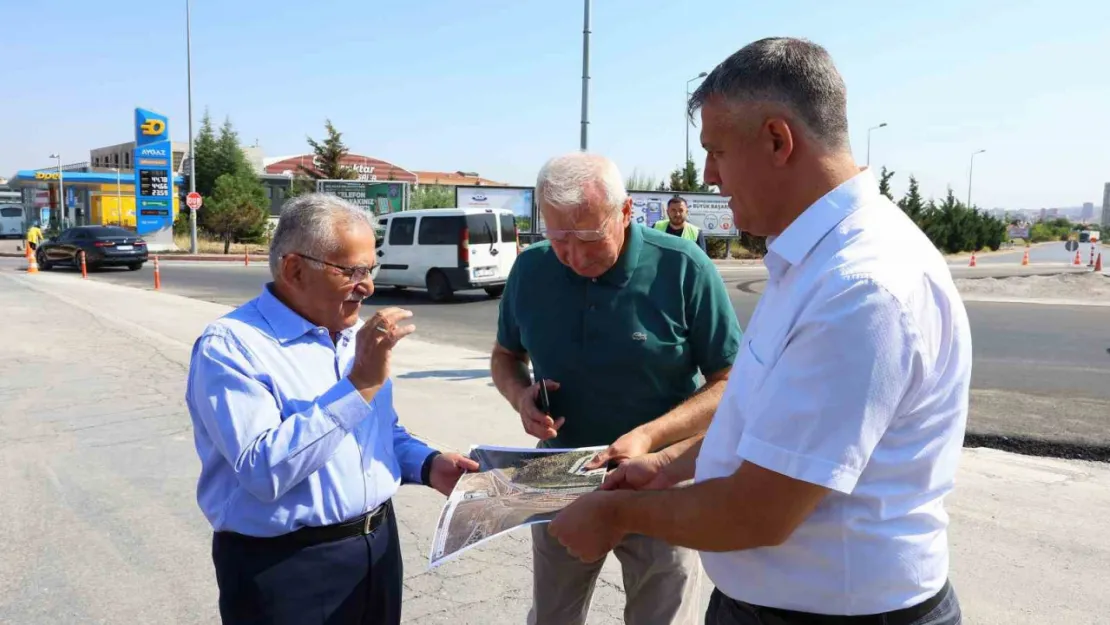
<point>153,160</point>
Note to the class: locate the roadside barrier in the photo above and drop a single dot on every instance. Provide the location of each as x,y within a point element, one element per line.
<point>157,276</point>
<point>84,268</point>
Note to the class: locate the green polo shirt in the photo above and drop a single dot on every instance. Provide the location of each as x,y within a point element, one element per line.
<point>625,347</point>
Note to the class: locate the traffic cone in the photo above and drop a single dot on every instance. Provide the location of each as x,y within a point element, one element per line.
<point>246,259</point>
<point>32,263</point>
<point>1078,261</point>
<point>157,275</point>
<point>1025,259</point>
<point>1098,263</point>
<point>972,260</point>
<point>84,269</point>
<point>1092,263</point>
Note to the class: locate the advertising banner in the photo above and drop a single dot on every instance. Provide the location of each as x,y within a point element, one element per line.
<point>708,211</point>
<point>517,199</point>
<point>153,160</point>
<point>380,198</point>
<point>1018,232</point>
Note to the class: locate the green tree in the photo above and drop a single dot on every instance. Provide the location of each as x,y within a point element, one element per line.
<point>432,196</point>
<point>912,203</point>
<point>205,149</point>
<point>687,178</point>
<point>329,155</point>
<point>641,182</point>
<point>884,183</point>
<point>239,209</point>
<point>229,157</point>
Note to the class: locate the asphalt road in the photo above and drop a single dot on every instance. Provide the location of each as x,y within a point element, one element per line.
<point>1040,372</point>
<point>1053,253</point>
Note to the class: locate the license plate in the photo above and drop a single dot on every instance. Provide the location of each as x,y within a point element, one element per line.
<point>483,272</point>
<point>124,248</point>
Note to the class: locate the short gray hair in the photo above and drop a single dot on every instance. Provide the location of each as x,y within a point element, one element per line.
<point>308,225</point>
<point>794,73</point>
<point>563,181</point>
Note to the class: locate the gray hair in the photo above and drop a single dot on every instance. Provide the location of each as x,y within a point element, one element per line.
<point>308,225</point>
<point>564,180</point>
<point>795,73</point>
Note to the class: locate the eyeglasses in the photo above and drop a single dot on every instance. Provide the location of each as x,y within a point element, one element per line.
<point>354,275</point>
<point>588,236</point>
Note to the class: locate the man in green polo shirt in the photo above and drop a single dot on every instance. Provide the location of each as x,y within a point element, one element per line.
<point>619,319</point>
<point>677,224</point>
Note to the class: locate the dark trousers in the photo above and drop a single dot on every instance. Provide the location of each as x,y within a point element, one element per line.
<point>724,610</point>
<point>346,582</point>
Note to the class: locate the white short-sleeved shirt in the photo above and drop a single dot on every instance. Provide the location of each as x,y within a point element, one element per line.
<point>854,375</point>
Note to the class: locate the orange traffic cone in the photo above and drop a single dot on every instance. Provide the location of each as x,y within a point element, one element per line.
<point>246,259</point>
<point>1025,259</point>
<point>157,275</point>
<point>84,269</point>
<point>972,260</point>
<point>1098,263</point>
<point>32,263</point>
<point>1078,261</point>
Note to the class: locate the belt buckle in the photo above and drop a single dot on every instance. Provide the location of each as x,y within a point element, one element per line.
<point>367,522</point>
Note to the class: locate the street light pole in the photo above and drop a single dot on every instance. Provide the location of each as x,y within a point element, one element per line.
<point>585,76</point>
<point>192,155</point>
<point>61,192</point>
<point>882,125</point>
<point>686,116</point>
<point>970,171</point>
<point>119,200</point>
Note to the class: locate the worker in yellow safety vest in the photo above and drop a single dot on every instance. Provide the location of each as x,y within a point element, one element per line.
<point>34,237</point>
<point>677,225</point>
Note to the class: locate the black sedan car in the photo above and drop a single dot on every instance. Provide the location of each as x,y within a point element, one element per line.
<point>103,246</point>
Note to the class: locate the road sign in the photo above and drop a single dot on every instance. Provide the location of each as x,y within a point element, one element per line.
<point>1072,245</point>
<point>193,200</point>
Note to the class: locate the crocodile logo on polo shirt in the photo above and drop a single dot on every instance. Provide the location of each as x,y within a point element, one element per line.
<point>639,336</point>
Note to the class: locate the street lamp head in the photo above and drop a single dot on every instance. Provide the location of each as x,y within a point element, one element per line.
<point>882,125</point>
<point>55,155</point>
<point>981,151</point>
<point>702,75</point>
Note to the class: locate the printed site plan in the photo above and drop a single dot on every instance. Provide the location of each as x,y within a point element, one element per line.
<point>513,487</point>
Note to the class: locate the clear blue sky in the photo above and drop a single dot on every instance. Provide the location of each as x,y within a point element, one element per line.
<point>493,86</point>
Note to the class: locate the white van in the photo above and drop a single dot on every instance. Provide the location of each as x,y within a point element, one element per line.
<point>447,249</point>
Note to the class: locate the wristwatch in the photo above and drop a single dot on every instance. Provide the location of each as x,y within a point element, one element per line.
<point>426,468</point>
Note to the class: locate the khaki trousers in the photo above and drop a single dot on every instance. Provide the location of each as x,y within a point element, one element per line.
<point>661,582</point>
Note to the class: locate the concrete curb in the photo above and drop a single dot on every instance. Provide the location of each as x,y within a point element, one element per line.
<point>231,258</point>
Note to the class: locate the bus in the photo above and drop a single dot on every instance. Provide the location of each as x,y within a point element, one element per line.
<point>1089,236</point>
<point>13,223</point>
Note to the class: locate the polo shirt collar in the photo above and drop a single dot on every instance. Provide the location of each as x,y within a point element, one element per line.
<point>805,232</point>
<point>286,325</point>
<point>621,273</point>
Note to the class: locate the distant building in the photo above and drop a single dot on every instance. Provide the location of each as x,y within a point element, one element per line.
<point>1106,205</point>
<point>455,179</point>
<point>1087,215</point>
<point>119,156</point>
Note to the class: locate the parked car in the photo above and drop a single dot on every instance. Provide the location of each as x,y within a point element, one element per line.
<point>447,249</point>
<point>103,246</point>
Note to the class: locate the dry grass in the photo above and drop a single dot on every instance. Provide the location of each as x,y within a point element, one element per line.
<point>209,246</point>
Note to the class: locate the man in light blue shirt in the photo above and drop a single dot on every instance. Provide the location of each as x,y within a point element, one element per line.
<point>300,446</point>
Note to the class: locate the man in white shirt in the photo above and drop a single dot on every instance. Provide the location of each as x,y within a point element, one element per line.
<point>820,483</point>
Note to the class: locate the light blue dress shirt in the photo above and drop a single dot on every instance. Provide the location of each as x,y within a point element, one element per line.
<point>284,439</point>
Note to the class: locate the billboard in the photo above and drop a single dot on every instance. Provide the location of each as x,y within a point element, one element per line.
<point>708,211</point>
<point>153,159</point>
<point>517,199</point>
<point>380,198</point>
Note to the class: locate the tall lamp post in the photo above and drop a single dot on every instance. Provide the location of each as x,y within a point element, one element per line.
<point>192,155</point>
<point>686,116</point>
<point>119,199</point>
<point>970,171</point>
<point>61,193</point>
<point>882,125</point>
<point>585,75</point>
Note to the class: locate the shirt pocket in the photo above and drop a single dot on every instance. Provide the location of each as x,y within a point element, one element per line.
<point>750,371</point>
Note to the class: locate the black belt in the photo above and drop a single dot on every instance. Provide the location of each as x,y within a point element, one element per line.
<point>904,616</point>
<point>315,535</point>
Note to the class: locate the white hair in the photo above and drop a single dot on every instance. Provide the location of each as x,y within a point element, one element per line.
<point>308,225</point>
<point>563,181</point>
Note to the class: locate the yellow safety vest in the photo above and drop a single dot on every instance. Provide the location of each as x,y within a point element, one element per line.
<point>34,235</point>
<point>689,231</point>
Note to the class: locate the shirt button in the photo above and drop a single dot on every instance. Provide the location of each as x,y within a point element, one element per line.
<point>592,307</point>
<point>593,279</point>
